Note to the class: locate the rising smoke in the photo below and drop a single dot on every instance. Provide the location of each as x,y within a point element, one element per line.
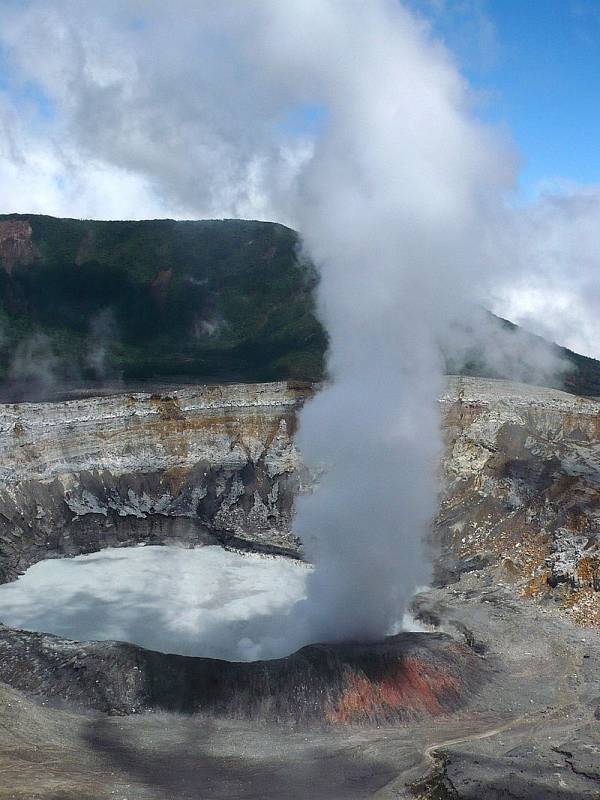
<point>42,368</point>
<point>103,334</point>
<point>348,121</point>
<point>480,343</point>
<point>35,371</point>
<point>395,206</point>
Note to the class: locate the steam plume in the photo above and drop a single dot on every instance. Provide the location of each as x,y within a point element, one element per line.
<point>102,334</point>
<point>35,369</point>
<point>395,207</point>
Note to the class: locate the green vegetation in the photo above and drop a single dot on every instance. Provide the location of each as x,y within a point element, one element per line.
<point>212,300</point>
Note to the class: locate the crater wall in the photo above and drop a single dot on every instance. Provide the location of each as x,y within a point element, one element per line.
<point>195,464</point>
<point>522,491</point>
<point>521,479</point>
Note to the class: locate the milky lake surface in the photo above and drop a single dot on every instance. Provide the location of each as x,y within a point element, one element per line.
<point>204,602</point>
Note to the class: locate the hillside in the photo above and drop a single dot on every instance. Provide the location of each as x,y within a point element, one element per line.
<point>212,299</point>
<point>84,301</point>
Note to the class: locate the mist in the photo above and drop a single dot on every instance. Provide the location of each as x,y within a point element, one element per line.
<point>37,370</point>
<point>350,122</point>
<point>103,333</point>
<point>482,344</point>
<point>41,367</point>
<point>397,207</point>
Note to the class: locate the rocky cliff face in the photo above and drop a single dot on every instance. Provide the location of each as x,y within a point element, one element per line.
<point>521,499</point>
<point>15,243</point>
<point>211,463</point>
<point>522,495</point>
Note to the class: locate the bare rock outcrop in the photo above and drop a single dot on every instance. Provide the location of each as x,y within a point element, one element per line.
<point>197,464</point>
<point>522,473</point>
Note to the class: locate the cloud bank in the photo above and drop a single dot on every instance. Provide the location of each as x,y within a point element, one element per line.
<point>556,292</point>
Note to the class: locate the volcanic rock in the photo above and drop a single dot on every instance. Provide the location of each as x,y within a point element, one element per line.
<point>408,676</point>
<point>522,470</point>
<point>193,465</point>
<point>217,463</point>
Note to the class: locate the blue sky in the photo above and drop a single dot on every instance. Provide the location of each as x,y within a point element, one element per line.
<point>28,95</point>
<point>537,65</point>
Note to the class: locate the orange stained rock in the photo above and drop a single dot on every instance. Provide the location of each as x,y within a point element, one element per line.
<point>537,585</point>
<point>588,569</point>
<point>410,686</point>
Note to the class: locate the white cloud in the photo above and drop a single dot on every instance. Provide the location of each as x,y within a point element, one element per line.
<point>553,287</point>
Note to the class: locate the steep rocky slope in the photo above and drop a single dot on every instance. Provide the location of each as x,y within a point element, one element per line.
<point>212,463</point>
<point>218,463</point>
<point>521,478</point>
<point>522,497</point>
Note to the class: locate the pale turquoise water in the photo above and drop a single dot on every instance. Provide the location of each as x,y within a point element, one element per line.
<point>206,601</point>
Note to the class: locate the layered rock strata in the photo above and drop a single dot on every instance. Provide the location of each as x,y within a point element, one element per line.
<point>522,490</point>
<point>198,464</point>
<point>192,465</point>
